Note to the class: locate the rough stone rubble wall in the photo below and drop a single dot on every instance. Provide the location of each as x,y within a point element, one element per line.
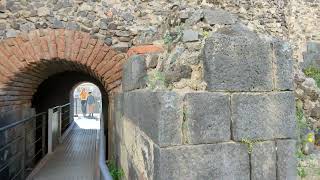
<point>303,22</point>
<point>296,21</point>
<point>126,23</point>
<point>202,134</point>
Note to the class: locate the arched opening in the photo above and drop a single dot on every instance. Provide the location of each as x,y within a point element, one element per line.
<point>86,112</point>
<point>77,109</point>
<point>39,70</point>
<point>56,91</point>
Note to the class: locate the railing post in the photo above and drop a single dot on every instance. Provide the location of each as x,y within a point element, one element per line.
<point>23,151</point>
<point>50,139</point>
<point>76,100</point>
<point>43,135</point>
<point>60,123</point>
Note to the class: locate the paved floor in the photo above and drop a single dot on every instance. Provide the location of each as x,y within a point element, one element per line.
<point>76,158</point>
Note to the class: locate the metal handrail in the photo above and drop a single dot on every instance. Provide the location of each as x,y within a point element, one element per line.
<point>104,170</point>
<point>20,122</point>
<point>62,106</point>
<point>25,147</point>
<point>65,105</point>
<point>62,124</point>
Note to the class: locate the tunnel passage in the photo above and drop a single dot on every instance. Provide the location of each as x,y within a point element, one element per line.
<point>27,60</point>
<point>56,90</point>
<point>38,67</point>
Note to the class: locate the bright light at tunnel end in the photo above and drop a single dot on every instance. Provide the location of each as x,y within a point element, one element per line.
<point>86,123</point>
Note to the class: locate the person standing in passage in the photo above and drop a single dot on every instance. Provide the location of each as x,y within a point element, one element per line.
<point>91,103</point>
<point>83,98</point>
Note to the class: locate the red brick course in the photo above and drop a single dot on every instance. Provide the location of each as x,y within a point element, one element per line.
<point>145,49</point>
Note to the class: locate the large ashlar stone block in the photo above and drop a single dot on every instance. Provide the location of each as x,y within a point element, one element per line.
<point>157,114</point>
<point>263,116</point>
<point>208,117</point>
<point>312,55</point>
<point>264,161</point>
<point>283,65</point>
<point>286,161</point>
<point>202,162</point>
<point>236,59</point>
<point>134,73</point>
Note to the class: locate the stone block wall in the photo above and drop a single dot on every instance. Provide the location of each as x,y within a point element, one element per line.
<point>241,127</point>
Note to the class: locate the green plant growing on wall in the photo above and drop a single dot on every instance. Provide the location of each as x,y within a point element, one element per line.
<point>167,38</point>
<point>156,80</point>
<point>302,125</point>
<point>171,38</point>
<point>249,143</point>
<point>301,170</point>
<point>314,73</point>
<point>116,173</point>
<point>304,165</point>
<point>205,34</point>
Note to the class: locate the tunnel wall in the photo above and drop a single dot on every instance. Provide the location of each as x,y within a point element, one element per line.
<point>241,127</point>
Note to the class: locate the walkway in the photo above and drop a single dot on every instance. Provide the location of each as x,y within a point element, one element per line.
<point>76,158</point>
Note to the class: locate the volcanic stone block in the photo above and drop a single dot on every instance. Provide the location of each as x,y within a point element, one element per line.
<point>202,162</point>
<point>264,161</point>
<point>218,16</point>
<point>134,73</point>
<point>208,117</point>
<point>157,114</point>
<point>190,36</point>
<point>283,65</point>
<point>237,60</point>
<point>313,47</point>
<point>286,161</point>
<point>263,116</point>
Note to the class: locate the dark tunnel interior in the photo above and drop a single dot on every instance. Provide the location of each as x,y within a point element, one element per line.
<point>56,90</point>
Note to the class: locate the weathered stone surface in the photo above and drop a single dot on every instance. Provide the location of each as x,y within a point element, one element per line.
<point>152,60</point>
<point>72,26</point>
<point>203,162</point>
<point>264,161</point>
<point>121,46</point>
<point>313,47</point>
<point>286,161</point>
<point>157,114</point>
<point>237,60</point>
<point>134,73</point>
<point>43,11</point>
<point>208,117</point>
<point>190,36</point>
<point>27,27</point>
<point>11,33</point>
<point>312,55</point>
<point>57,24</point>
<point>308,148</point>
<point>283,65</point>
<point>263,116</point>
<point>217,16</point>
<point>176,72</point>
<point>195,17</point>
<point>108,41</point>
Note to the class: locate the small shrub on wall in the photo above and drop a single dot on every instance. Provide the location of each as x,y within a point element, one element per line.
<point>313,73</point>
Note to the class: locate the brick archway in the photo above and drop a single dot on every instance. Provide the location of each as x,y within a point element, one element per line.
<point>29,59</point>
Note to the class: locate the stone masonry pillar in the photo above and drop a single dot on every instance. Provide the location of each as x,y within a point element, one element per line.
<point>242,127</point>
